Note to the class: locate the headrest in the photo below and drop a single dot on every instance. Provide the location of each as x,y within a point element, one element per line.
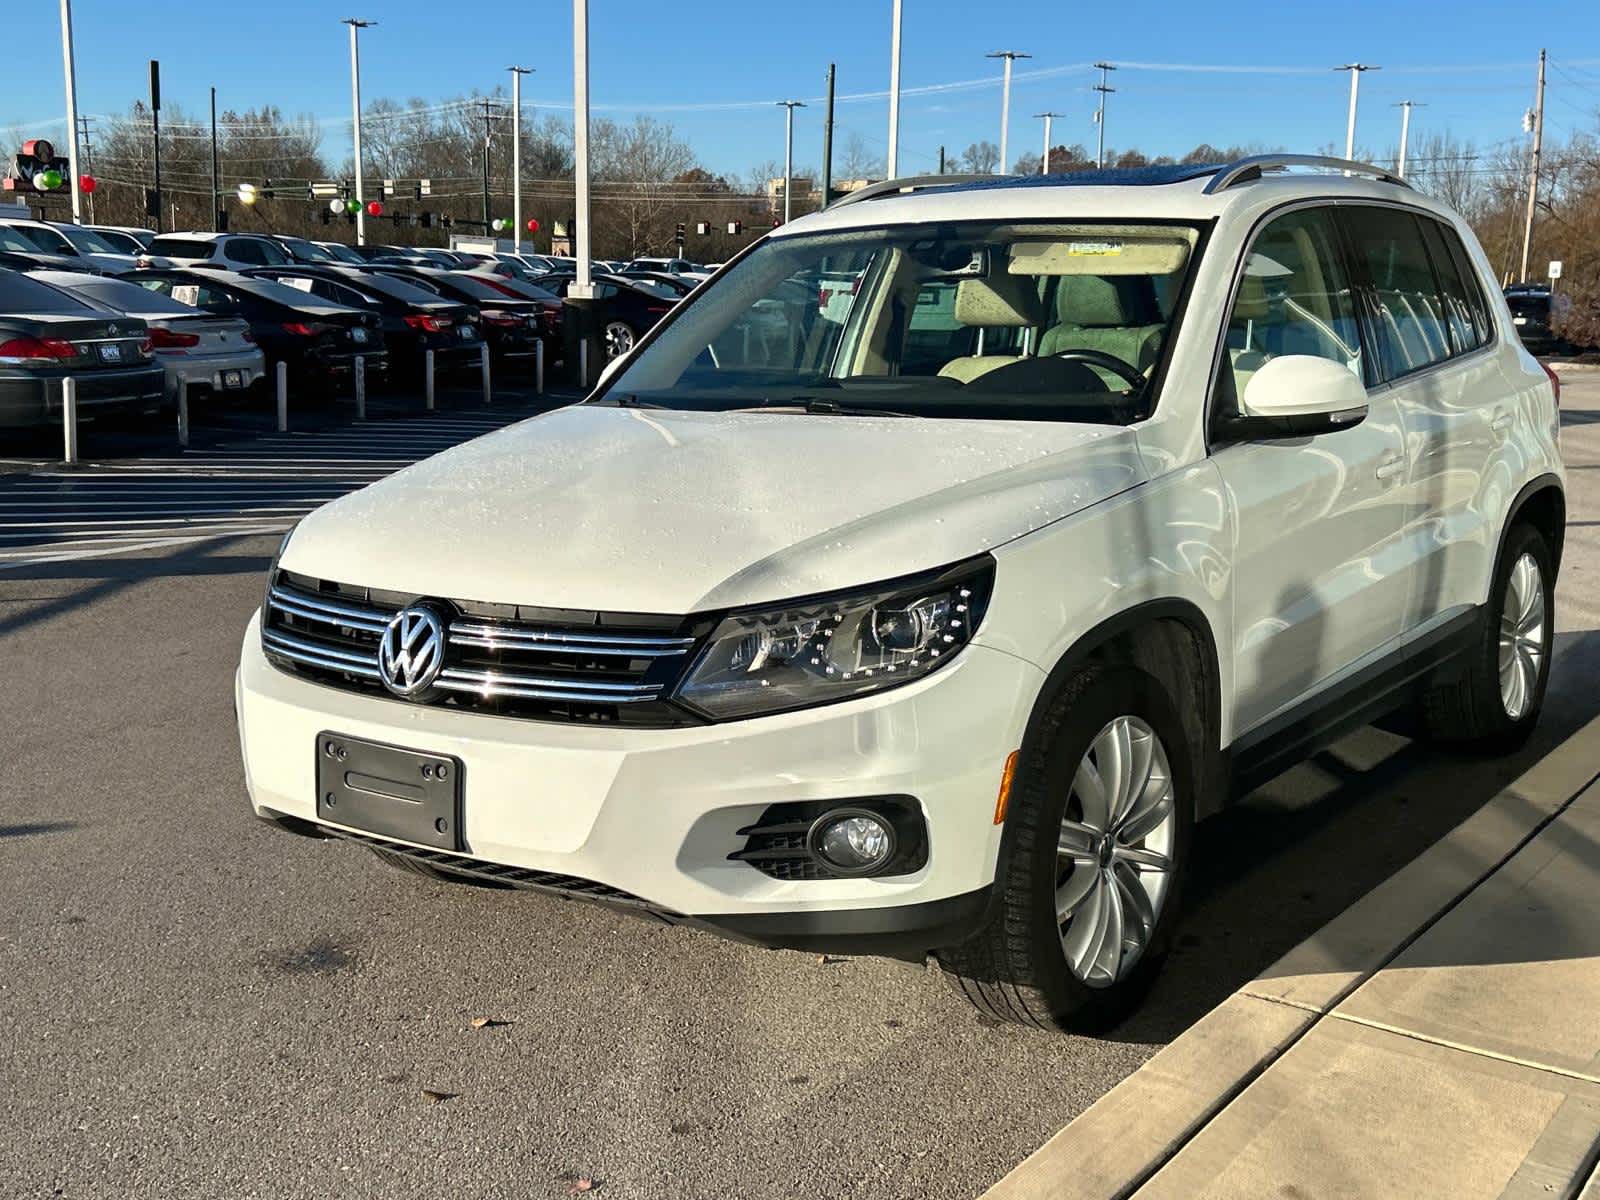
<point>1251,302</point>
<point>1005,300</point>
<point>1093,300</point>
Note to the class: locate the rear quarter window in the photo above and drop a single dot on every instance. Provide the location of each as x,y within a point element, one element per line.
<point>178,247</point>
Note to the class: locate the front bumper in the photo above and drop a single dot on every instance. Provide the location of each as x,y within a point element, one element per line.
<point>646,818</point>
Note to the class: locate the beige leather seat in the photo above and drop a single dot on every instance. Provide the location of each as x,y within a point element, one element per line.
<point>1106,313</point>
<point>997,302</point>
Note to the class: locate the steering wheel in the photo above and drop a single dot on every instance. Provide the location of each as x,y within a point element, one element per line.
<point>1110,362</point>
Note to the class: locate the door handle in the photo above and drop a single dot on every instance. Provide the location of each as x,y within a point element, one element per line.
<point>1390,467</point>
<point>1502,423</point>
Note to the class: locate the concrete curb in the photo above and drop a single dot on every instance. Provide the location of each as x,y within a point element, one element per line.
<point>1114,1147</point>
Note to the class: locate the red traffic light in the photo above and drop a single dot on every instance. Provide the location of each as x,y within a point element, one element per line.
<point>374,209</point>
<point>533,225</point>
<point>87,184</point>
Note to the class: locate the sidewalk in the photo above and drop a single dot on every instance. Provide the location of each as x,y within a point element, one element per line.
<point>1440,1038</point>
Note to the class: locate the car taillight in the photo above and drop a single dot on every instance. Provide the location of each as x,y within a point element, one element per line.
<point>147,347</point>
<point>425,323</point>
<point>658,308</point>
<point>503,319</point>
<point>167,339</point>
<point>302,329</point>
<point>500,287</point>
<point>24,350</point>
<point>1555,382</point>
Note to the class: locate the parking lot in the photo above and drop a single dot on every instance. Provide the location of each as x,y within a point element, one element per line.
<point>193,1003</point>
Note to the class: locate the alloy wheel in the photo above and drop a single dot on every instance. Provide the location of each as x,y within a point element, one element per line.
<point>619,338</point>
<point>1114,852</point>
<point>1522,636</point>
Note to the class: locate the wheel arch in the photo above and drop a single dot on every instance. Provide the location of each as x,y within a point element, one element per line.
<point>1542,503</point>
<point>1170,639</point>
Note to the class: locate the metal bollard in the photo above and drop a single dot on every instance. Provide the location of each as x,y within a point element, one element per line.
<point>183,412</point>
<point>69,419</point>
<point>361,387</point>
<point>583,363</point>
<point>427,380</point>
<point>283,397</point>
<point>483,362</point>
<point>538,366</point>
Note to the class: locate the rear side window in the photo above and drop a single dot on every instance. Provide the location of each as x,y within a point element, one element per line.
<point>1410,316</point>
<point>246,250</point>
<point>180,247</point>
<point>1458,280</point>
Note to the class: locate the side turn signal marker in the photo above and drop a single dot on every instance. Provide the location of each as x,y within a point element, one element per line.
<point>1006,776</point>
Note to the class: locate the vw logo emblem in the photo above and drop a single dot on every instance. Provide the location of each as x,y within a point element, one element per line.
<point>411,652</point>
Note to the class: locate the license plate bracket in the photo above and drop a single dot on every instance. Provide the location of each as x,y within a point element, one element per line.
<point>389,790</point>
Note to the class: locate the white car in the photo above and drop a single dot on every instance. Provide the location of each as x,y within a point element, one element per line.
<point>932,627</point>
<point>78,245</point>
<point>231,251</point>
<point>198,348</point>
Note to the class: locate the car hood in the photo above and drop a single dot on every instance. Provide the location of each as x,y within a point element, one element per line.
<point>628,510</point>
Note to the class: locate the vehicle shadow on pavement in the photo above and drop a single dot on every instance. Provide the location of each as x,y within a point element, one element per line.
<point>96,579</point>
<point>34,828</point>
<point>1291,856</point>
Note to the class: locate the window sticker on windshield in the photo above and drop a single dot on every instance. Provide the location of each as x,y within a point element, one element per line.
<point>298,282</point>
<point>187,293</point>
<point>1093,249</point>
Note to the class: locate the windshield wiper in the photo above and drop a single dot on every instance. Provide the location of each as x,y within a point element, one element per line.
<point>628,401</point>
<point>824,408</point>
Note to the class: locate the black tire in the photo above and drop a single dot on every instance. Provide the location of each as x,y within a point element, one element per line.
<point>411,866</point>
<point>1465,707</point>
<point>1015,969</point>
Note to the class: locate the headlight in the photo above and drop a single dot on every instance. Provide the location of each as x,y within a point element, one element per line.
<point>835,647</point>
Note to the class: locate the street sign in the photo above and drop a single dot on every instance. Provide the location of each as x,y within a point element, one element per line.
<point>1555,269</point>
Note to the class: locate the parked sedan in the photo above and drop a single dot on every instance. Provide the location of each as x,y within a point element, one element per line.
<point>318,339</point>
<point>414,320</point>
<point>630,312</point>
<point>47,335</point>
<point>216,353</point>
<point>510,323</point>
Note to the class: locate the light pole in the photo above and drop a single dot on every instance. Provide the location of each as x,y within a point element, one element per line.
<point>355,109</point>
<point>1100,113</point>
<point>1044,161</point>
<point>516,155</point>
<point>788,155</point>
<point>894,98</point>
<point>1005,101</point>
<point>72,111</point>
<point>216,186</point>
<point>1356,69</point>
<point>1405,107</point>
<point>582,287</point>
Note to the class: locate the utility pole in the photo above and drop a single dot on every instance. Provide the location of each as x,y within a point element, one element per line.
<point>1405,107</point>
<point>486,136</point>
<point>155,133</point>
<point>1356,70</point>
<point>1533,171</point>
<point>827,145</point>
<point>1100,113</point>
<point>356,26</point>
<point>216,191</point>
<point>894,98</point>
<point>1005,102</point>
<point>1044,161</point>
<point>941,160</point>
<point>788,155</point>
<point>72,111</point>
<point>516,155</point>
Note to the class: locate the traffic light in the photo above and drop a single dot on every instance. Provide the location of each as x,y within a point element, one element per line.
<point>37,168</point>
<point>680,237</point>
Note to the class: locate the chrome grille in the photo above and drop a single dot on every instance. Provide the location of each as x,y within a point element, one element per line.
<point>587,668</point>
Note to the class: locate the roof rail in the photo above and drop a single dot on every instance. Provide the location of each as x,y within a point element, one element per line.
<point>910,183</point>
<point>1247,169</point>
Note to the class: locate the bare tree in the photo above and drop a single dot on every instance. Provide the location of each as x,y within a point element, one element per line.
<point>980,158</point>
<point>858,161</point>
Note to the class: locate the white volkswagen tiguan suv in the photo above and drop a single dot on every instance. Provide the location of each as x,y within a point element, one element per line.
<point>915,586</point>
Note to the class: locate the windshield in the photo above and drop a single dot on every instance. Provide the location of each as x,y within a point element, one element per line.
<point>306,252</point>
<point>977,320</point>
<point>89,241</point>
<point>45,238</point>
<point>120,243</point>
<point>343,253</point>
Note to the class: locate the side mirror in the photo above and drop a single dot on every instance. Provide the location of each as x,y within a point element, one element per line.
<point>1298,395</point>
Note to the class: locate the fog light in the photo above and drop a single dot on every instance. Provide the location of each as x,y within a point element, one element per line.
<point>852,841</point>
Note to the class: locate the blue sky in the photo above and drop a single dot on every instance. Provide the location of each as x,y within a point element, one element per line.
<point>714,69</point>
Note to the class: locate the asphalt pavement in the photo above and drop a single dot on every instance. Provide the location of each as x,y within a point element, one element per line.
<point>193,1004</point>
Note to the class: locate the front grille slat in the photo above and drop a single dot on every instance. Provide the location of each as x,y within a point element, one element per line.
<point>559,672</point>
